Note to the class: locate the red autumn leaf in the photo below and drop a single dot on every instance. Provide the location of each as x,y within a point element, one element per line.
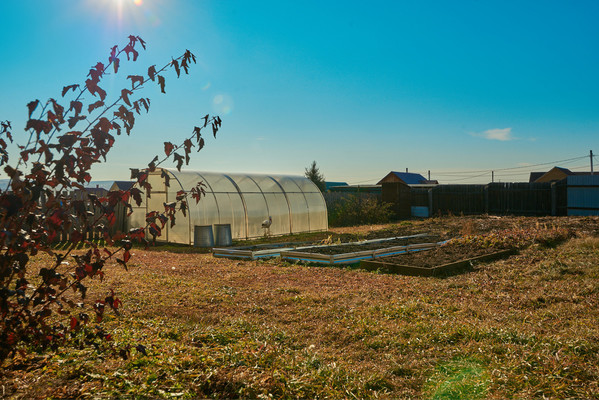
<point>39,126</point>
<point>68,139</point>
<point>69,87</point>
<point>161,82</point>
<point>183,208</point>
<point>31,106</point>
<point>129,49</point>
<point>111,217</point>
<point>167,178</point>
<point>93,88</point>
<point>136,106</point>
<point>126,256</point>
<point>137,233</point>
<point>152,72</point>
<point>175,65</point>
<point>188,56</point>
<point>125,96</point>
<point>77,106</point>
<point>73,120</point>
<point>136,194</point>
<point>178,158</point>
<point>145,103</point>
<point>188,145</point>
<point>168,148</point>
<point>58,110</point>
<point>197,132</point>
<point>152,164</point>
<point>25,155</point>
<point>116,62</point>
<point>104,125</point>
<point>116,303</point>
<point>95,105</point>
<point>123,263</point>
<point>74,323</point>
<point>136,79</point>
<point>76,236</point>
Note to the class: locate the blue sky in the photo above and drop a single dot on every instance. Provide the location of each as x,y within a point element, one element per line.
<point>363,88</point>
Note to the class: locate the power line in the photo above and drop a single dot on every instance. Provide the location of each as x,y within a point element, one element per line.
<point>466,175</point>
<point>511,168</point>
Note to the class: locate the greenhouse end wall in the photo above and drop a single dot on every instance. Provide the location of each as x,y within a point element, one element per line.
<point>242,200</point>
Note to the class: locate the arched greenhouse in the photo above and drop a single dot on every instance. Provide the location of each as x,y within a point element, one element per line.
<point>242,200</point>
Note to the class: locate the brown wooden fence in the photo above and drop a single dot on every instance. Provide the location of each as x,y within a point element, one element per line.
<point>493,198</point>
<point>121,221</point>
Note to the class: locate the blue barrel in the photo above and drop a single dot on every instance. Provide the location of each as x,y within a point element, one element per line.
<point>203,236</point>
<point>222,233</point>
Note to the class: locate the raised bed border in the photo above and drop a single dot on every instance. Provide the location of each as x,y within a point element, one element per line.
<point>353,257</point>
<point>270,250</point>
<point>276,249</point>
<point>393,268</point>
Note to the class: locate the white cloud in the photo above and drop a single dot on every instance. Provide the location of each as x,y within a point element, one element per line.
<point>502,135</point>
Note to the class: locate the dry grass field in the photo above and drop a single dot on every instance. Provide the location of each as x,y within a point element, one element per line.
<point>522,327</point>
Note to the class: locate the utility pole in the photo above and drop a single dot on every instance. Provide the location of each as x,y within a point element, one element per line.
<point>492,176</point>
<point>429,174</point>
<point>591,156</point>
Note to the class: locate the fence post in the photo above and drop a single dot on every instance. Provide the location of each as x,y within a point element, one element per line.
<point>553,199</point>
<point>430,203</point>
<point>486,193</point>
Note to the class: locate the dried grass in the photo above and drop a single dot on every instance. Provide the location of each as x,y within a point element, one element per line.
<point>524,327</point>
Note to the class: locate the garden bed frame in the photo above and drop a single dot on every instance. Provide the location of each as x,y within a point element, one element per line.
<point>393,268</point>
<point>277,249</point>
<point>356,256</point>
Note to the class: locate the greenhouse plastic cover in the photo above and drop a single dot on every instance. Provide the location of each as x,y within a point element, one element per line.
<point>242,200</point>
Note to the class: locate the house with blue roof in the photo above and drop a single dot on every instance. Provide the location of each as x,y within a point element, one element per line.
<point>407,178</point>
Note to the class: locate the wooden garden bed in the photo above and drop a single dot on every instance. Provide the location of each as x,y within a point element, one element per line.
<point>320,251</point>
<point>426,264</point>
<point>350,253</point>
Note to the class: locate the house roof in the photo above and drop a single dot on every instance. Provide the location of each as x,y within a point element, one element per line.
<point>409,178</point>
<point>553,174</point>
<point>333,184</point>
<point>123,185</point>
<point>534,176</point>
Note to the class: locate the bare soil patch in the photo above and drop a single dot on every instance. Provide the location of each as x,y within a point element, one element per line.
<point>438,256</point>
<point>354,247</point>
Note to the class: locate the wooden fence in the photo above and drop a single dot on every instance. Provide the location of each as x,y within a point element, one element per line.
<point>121,221</point>
<point>494,198</point>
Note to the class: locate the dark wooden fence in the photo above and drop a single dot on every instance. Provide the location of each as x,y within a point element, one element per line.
<point>494,198</point>
<point>121,221</point>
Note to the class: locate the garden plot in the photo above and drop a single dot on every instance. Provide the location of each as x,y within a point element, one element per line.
<point>349,253</point>
<point>276,249</point>
<point>255,252</point>
<point>438,261</point>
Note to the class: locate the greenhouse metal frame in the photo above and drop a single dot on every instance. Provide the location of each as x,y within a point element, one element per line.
<point>244,201</point>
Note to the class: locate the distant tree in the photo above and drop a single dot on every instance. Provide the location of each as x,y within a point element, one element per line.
<point>313,173</point>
